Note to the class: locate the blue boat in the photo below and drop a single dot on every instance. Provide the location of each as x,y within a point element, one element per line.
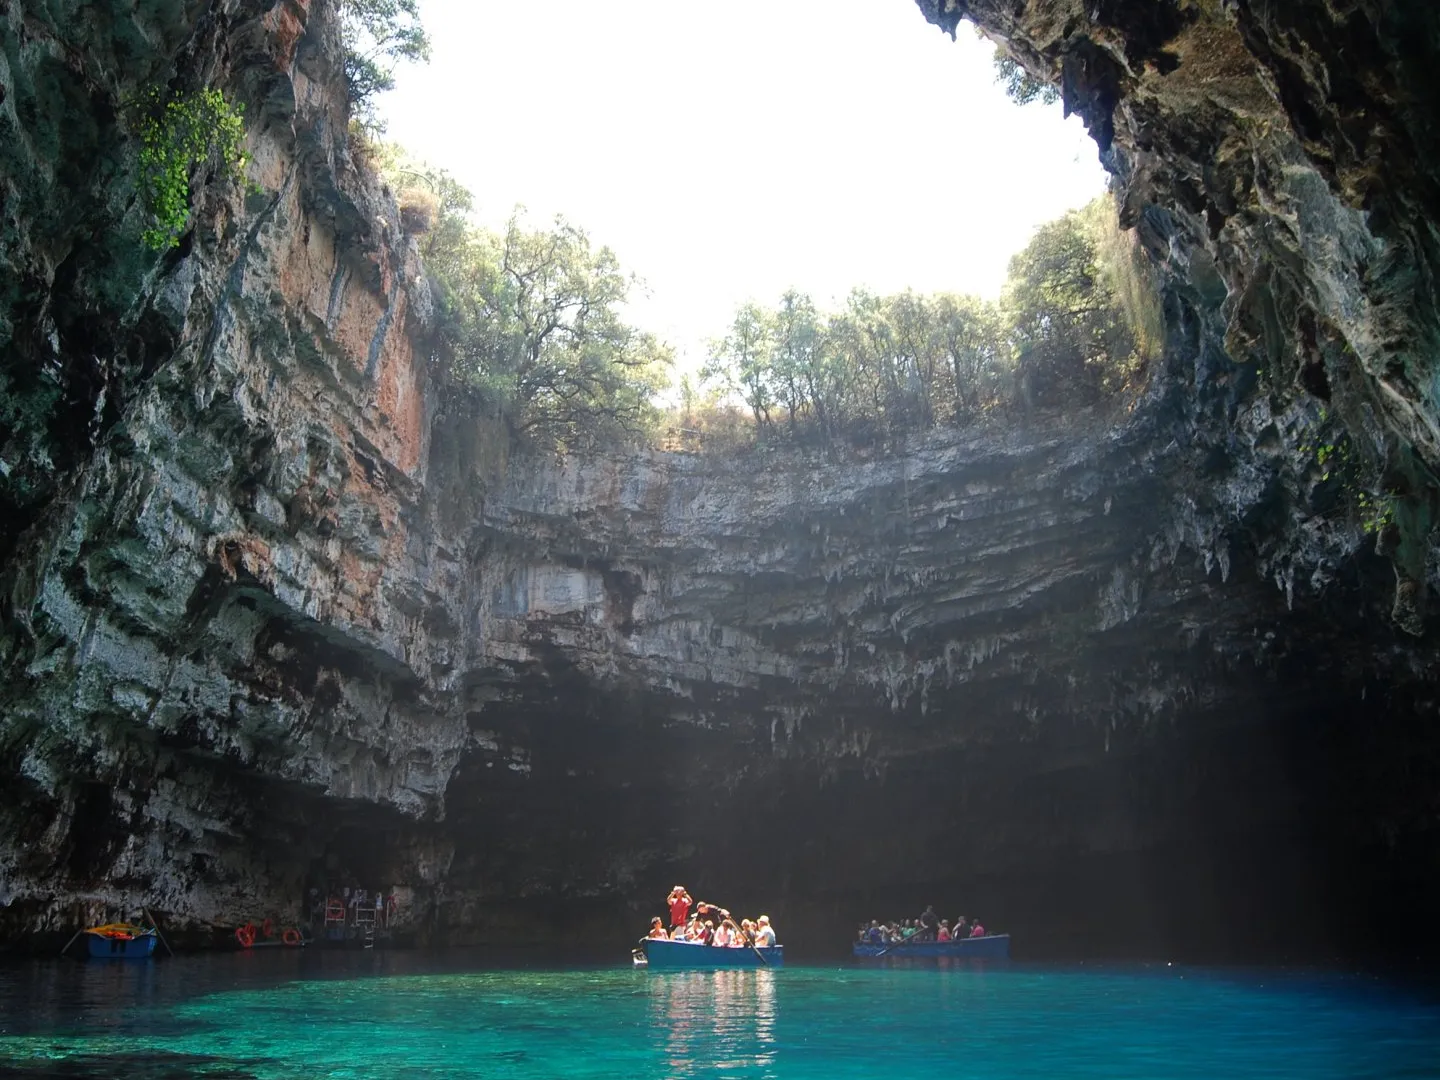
<point>120,941</point>
<point>989,947</point>
<point>690,955</point>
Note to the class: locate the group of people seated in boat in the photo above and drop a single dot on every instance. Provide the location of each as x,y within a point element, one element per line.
<point>928,927</point>
<point>705,923</point>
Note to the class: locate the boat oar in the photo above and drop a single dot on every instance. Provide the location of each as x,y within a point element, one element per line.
<point>161,936</point>
<point>71,942</point>
<point>757,952</point>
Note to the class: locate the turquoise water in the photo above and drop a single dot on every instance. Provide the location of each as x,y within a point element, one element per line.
<point>221,1017</point>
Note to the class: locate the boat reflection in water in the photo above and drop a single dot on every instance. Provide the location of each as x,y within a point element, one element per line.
<point>715,1022</point>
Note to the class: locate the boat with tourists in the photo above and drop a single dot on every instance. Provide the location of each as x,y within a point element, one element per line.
<point>988,947</point>
<point>930,936</point>
<point>120,941</point>
<point>704,936</point>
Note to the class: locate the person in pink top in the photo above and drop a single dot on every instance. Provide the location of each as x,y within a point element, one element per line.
<point>943,934</point>
<point>978,930</point>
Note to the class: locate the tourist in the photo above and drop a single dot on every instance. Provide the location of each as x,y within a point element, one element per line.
<point>705,910</point>
<point>679,904</point>
<point>764,933</point>
<point>737,936</point>
<point>876,934</point>
<point>929,923</point>
<point>977,930</point>
<point>943,934</point>
<point>962,928</point>
<point>657,929</point>
<point>720,939</point>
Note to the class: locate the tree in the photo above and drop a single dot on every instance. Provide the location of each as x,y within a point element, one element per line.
<point>740,362</point>
<point>533,322</point>
<point>377,35</point>
<point>1070,331</point>
<point>971,332</point>
<point>1020,86</point>
<point>797,358</point>
<point>915,358</point>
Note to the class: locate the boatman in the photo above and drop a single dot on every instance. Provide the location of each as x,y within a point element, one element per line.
<point>679,902</point>
<point>714,913</point>
<point>929,924</point>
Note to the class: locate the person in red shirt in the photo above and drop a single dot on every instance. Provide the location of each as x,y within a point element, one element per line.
<point>978,930</point>
<point>679,902</point>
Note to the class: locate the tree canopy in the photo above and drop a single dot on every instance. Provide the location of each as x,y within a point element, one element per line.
<point>534,322</point>
<point>531,319</point>
<point>1077,321</point>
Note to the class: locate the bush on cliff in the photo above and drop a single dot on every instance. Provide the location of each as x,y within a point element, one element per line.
<point>179,134</point>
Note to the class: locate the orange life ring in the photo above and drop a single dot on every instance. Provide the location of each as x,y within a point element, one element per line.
<point>292,937</point>
<point>267,929</point>
<point>245,935</point>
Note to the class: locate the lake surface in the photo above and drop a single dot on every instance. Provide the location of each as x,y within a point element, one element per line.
<point>382,1015</point>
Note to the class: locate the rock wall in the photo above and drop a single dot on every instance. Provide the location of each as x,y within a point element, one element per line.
<point>1278,160</point>
<point>226,612</point>
<point>281,610</point>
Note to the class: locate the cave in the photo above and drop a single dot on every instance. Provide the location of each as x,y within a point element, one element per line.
<point>290,612</point>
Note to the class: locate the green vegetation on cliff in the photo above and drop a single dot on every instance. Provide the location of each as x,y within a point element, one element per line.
<point>179,134</point>
<point>1077,322</point>
<point>378,35</point>
<point>531,319</point>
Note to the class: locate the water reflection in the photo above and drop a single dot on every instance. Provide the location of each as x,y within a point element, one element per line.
<point>716,1023</point>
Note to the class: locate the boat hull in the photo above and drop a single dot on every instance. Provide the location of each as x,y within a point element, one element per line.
<point>103,947</point>
<point>687,956</point>
<point>990,947</point>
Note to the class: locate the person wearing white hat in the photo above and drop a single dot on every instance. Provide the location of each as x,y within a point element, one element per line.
<point>765,935</point>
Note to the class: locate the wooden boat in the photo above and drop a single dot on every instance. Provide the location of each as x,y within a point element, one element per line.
<point>120,941</point>
<point>989,947</point>
<point>689,955</point>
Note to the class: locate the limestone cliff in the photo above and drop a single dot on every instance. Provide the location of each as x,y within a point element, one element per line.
<point>282,608</point>
<point>221,535</point>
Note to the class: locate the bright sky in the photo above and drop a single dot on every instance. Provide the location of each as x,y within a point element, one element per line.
<point>730,151</point>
